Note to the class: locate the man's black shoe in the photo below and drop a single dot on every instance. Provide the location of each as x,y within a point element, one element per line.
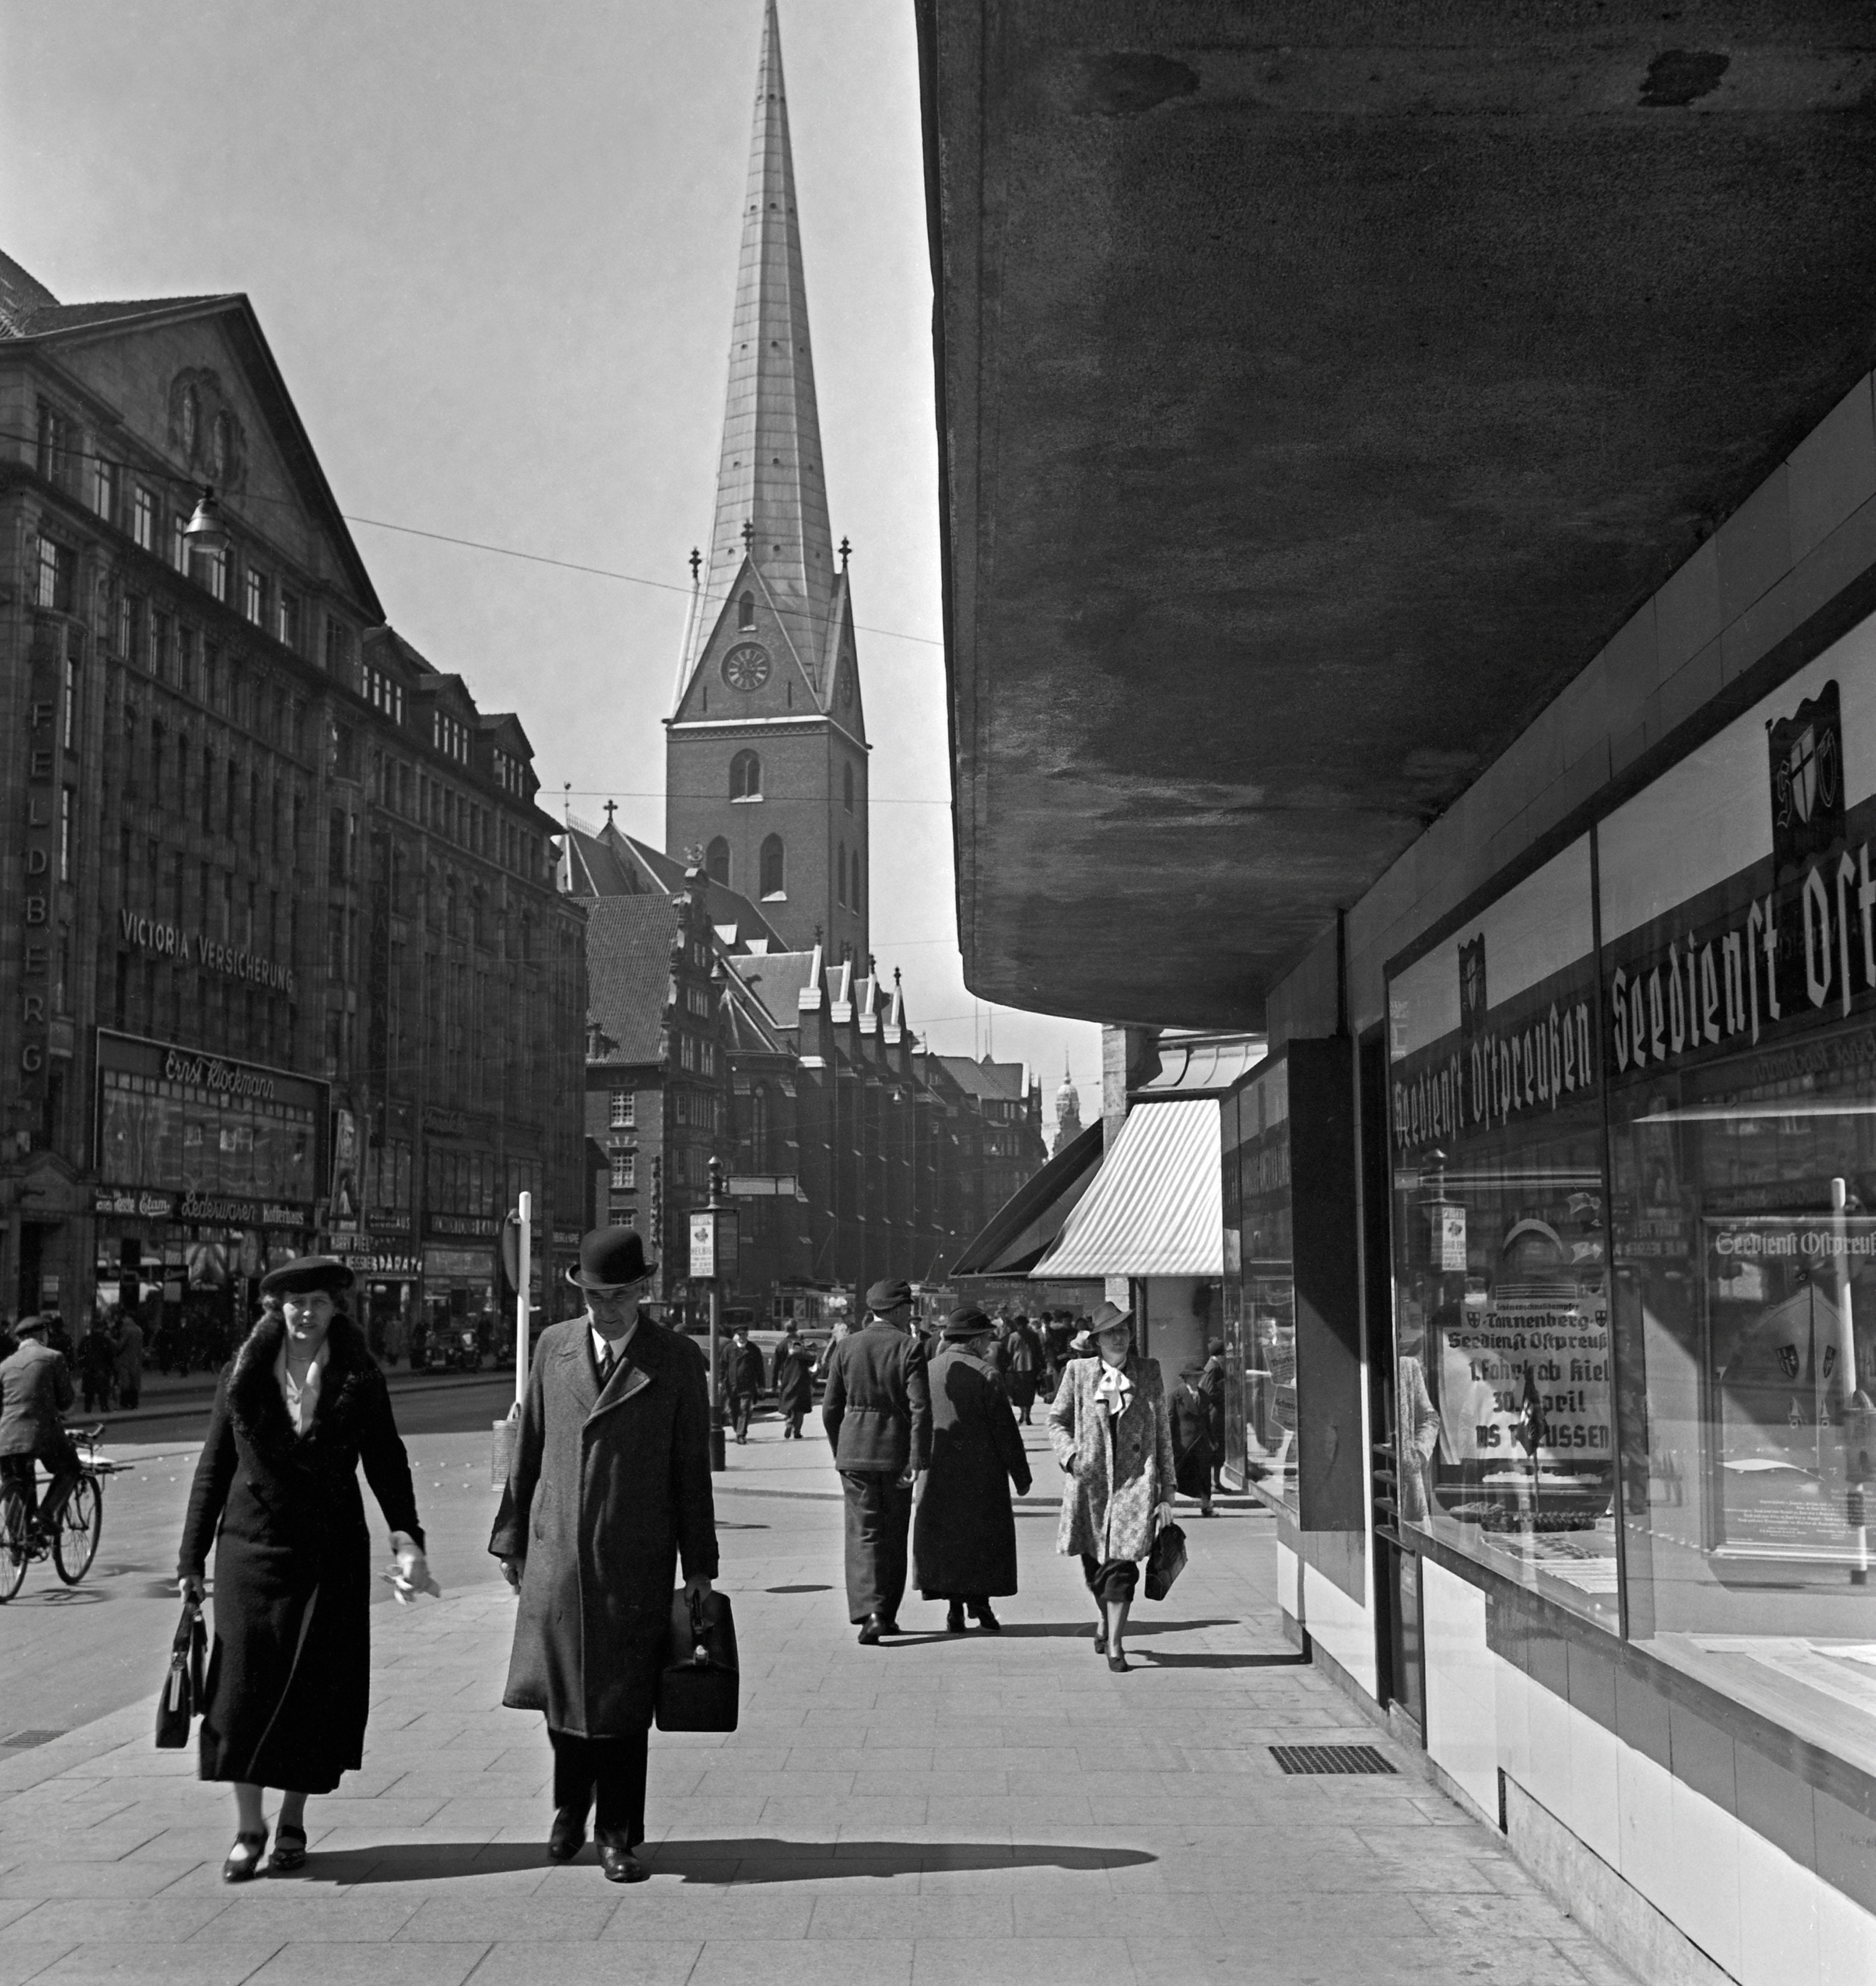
<point>871,1630</point>
<point>569,1834</point>
<point>621,1865</point>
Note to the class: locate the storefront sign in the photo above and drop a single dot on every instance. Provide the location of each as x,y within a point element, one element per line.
<point>135,1205</point>
<point>168,940</point>
<point>1523,1377</point>
<point>209,1072</point>
<point>380,1267</point>
<point>35,899</point>
<point>445,1123</point>
<point>468,1225</point>
<point>472,1265</point>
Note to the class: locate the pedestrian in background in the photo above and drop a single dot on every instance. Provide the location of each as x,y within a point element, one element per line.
<point>794,1384</point>
<point>1110,1434</point>
<point>97,1359</point>
<point>1211,1390</point>
<point>130,1360</point>
<point>964,1531</point>
<point>745,1381</point>
<point>609,1489</point>
<point>877,1413</point>
<point>1190,1421</point>
<point>299,1408</point>
<point>1025,1357</point>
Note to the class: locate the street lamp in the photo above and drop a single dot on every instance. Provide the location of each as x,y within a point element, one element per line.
<point>205,530</point>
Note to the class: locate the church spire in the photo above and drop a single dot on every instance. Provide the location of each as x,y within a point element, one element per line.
<point>769,476</point>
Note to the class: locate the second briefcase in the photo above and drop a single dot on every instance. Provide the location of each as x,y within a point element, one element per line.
<point>698,1684</point>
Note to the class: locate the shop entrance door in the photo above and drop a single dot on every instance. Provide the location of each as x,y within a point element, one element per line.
<point>31,1255</point>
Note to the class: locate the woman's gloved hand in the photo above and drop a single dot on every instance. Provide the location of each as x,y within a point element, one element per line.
<point>192,1588</point>
<point>411,1572</point>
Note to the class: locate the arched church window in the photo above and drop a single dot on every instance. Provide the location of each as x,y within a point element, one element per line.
<point>716,861</point>
<point>840,886</point>
<point>746,614</point>
<point>758,1128</point>
<point>746,776</point>
<point>848,772</point>
<point>774,868</point>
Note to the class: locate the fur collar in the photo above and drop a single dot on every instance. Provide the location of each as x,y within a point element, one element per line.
<point>253,1396</point>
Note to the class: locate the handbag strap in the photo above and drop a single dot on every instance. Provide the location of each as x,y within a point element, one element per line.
<point>187,1628</point>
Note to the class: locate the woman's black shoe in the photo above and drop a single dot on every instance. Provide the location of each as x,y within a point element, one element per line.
<point>1100,1639</point>
<point>289,1855</point>
<point>954,1618</point>
<point>568,1835</point>
<point>246,1858</point>
<point>986,1620</point>
<point>1119,1664</point>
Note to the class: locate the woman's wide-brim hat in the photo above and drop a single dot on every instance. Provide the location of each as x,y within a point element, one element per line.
<point>966,1323</point>
<point>306,1274</point>
<point>1110,1317</point>
<point>611,1258</point>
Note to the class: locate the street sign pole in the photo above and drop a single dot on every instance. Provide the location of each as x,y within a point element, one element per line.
<point>719,1454</point>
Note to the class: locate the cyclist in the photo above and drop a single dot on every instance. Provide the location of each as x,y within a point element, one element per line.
<point>36,1392</point>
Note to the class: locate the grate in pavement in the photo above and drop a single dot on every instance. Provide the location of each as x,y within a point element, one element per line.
<point>23,1740</point>
<point>1329,1758</point>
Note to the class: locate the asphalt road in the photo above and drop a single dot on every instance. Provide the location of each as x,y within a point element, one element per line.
<point>69,1654</point>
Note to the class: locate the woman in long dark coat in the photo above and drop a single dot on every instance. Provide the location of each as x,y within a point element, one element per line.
<point>964,1534</point>
<point>794,1385</point>
<point>300,1406</point>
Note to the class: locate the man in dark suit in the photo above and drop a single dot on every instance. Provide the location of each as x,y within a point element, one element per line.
<point>877,1413</point>
<point>35,1395</point>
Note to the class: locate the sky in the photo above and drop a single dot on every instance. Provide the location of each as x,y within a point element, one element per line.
<point>494,248</point>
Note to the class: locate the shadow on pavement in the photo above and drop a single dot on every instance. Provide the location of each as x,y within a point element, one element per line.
<point>1288,1659</point>
<point>1050,1631</point>
<point>748,1860</point>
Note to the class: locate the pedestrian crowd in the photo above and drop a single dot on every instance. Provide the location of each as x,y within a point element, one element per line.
<point>608,1506</point>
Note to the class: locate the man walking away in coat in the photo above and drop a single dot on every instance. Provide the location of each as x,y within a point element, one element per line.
<point>1211,1390</point>
<point>130,1362</point>
<point>745,1381</point>
<point>97,1357</point>
<point>877,1413</point>
<point>35,1395</point>
<point>611,1486</point>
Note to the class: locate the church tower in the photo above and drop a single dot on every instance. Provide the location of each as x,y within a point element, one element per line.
<point>766,748</point>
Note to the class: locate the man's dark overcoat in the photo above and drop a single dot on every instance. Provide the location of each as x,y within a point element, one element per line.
<point>794,1378</point>
<point>964,1534</point>
<point>1189,1416</point>
<point>876,1410</point>
<point>289,1669</point>
<point>607,1491</point>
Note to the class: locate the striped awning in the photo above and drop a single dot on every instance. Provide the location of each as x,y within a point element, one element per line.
<point>1157,1206</point>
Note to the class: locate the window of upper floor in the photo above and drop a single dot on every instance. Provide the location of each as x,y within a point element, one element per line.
<point>143,518</point>
<point>746,614</point>
<point>716,861</point>
<point>57,584</point>
<point>104,489</point>
<point>254,599</point>
<point>625,1107</point>
<point>746,776</point>
<point>774,868</point>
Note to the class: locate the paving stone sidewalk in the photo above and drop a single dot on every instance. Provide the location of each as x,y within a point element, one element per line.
<point>982,1810</point>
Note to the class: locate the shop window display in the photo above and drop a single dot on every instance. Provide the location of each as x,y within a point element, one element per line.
<point>1504,1391</point>
<point>1260,1289</point>
<point>1738,930</point>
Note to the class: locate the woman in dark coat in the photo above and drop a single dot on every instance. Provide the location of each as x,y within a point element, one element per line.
<point>1189,1414</point>
<point>276,1491</point>
<point>1025,1360</point>
<point>794,1385</point>
<point>964,1534</point>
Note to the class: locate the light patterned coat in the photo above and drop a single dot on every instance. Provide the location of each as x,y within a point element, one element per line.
<point>1118,1473</point>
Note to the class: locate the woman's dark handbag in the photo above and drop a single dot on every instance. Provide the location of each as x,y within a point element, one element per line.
<point>697,1686</point>
<point>1167,1562</point>
<point>182,1687</point>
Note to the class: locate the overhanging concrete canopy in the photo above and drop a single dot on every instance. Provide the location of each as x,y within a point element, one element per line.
<point>1321,385</point>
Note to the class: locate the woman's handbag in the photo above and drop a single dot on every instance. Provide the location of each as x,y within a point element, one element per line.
<point>182,1687</point>
<point>698,1684</point>
<point>1166,1562</point>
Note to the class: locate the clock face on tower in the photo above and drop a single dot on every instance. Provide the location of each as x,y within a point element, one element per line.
<point>747,666</point>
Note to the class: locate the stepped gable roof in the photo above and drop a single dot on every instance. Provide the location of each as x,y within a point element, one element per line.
<point>1001,1082</point>
<point>778,979</point>
<point>628,971</point>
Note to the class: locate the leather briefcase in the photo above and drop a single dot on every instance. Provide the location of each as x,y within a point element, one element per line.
<point>698,1684</point>
<point>181,1700</point>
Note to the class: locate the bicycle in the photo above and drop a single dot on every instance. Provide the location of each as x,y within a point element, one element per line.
<point>74,1544</point>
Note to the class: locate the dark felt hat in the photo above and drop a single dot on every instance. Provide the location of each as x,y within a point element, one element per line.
<point>610,1258</point>
<point>32,1325</point>
<point>308,1272</point>
<point>889,1294</point>
<point>967,1323</point>
<point>1106,1317</point>
<point>1215,1349</point>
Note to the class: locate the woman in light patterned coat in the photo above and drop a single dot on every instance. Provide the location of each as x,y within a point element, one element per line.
<point>1111,1434</point>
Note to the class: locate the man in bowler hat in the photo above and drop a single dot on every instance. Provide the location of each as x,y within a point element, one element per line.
<point>877,1413</point>
<point>612,1460</point>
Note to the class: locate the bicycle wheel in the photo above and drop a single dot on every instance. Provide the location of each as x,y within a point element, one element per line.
<point>12,1547</point>
<point>79,1523</point>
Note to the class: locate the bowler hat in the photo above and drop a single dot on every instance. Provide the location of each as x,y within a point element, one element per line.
<point>610,1258</point>
<point>889,1294</point>
<point>306,1274</point>
<point>966,1323</point>
<point>1106,1317</point>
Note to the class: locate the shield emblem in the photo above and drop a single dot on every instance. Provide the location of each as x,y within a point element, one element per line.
<point>1798,778</point>
<point>1788,1361</point>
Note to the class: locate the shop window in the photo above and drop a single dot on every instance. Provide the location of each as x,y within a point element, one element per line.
<point>746,776</point>
<point>774,868</point>
<point>716,861</point>
<point>1504,1391</point>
